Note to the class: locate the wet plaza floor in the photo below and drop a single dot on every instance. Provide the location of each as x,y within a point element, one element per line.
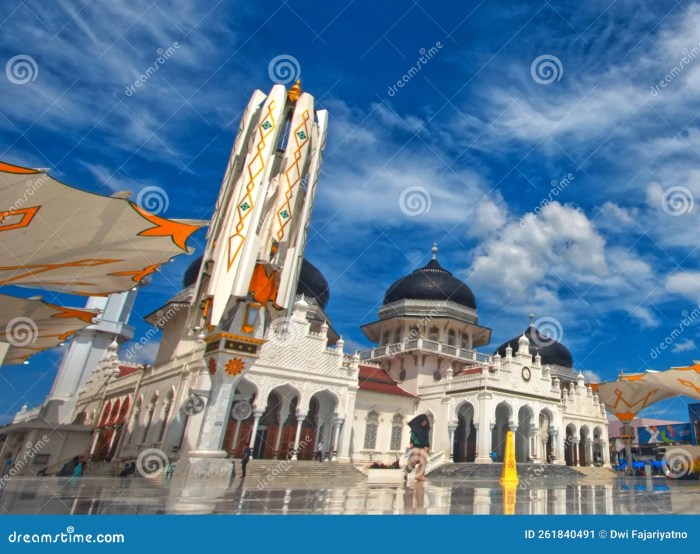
<point>294,496</point>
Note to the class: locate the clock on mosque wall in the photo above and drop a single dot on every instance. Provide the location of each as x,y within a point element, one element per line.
<point>526,373</point>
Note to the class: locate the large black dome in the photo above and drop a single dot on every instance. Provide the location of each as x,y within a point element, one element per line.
<point>551,351</point>
<point>431,282</point>
<point>312,284</point>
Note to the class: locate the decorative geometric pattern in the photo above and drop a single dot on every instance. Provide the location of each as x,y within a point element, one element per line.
<point>235,366</point>
<point>293,174</point>
<point>254,170</point>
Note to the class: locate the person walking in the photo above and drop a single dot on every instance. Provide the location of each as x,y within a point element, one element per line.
<point>244,461</point>
<point>420,446</point>
<point>319,452</point>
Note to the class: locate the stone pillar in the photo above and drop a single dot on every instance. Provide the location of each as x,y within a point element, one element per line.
<point>256,420</point>
<point>605,452</point>
<point>94,441</point>
<point>483,436</point>
<point>300,419</point>
<point>278,440</point>
<point>534,453</point>
<point>336,437</point>
<point>451,429</point>
<point>589,452</point>
<point>575,460</point>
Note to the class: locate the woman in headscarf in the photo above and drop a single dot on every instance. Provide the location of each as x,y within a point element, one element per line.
<point>420,446</point>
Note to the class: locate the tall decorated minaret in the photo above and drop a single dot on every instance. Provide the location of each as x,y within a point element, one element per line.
<point>254,251</point>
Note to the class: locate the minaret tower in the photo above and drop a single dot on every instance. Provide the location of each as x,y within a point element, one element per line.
<point>87,348</point>
<point>254,251</point>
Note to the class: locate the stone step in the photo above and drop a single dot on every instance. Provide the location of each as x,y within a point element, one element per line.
<point>468,470</point>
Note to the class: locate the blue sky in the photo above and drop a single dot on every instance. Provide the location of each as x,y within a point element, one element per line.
<point>478,137</point>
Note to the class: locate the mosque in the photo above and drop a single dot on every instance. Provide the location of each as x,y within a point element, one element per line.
<point>305,389</point>
<point>288,385</point>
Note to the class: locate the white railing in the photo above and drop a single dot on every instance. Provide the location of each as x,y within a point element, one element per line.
<point>447,350</point>
<point>435,460</point>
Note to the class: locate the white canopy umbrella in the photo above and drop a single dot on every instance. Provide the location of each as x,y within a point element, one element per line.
<point>30,326</point>
<point>56,237</point>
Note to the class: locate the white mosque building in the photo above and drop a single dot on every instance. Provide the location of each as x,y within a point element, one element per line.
<point>218,384</point>
<point>305,389</point>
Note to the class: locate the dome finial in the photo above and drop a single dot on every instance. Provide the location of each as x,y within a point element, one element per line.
<point>532,319</point>
<point>434,250</point>
<point>295,92</point>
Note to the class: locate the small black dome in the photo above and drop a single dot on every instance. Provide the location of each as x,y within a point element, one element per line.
<point>192,272</point>
<point>431,282</point>
<point>313,285</point>
<point>551,351</point>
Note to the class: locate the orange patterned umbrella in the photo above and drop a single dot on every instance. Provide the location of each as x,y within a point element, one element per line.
<point>629,395</point>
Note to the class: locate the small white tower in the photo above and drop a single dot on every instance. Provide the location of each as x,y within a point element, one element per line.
<point>87,348</point>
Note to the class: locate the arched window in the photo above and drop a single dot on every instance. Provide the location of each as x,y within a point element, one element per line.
<point>397,336</point>
<point>371,430</point>
<point>465,340</point>
<point>385,338</point>
<point>396,432</point>
<point>451,338</point>
<point>434,334</point>
<point>414,333</point>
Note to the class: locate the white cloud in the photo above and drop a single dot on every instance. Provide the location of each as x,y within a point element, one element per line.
<point>685,283</point>
<point>591,376</point>
<point>684,345</point>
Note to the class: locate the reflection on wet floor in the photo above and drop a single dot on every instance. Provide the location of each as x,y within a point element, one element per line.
<point>448,496</point>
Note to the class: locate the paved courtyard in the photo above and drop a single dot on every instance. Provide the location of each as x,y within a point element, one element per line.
<point>298,496</point>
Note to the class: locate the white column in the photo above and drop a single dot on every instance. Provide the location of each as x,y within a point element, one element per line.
<point>254,431</point>
<point>533,444</point>
<point>483,437</point>
<point>605,451</point>
<point>589,451</point>
<point>576,461</point>
<point>300,419</point>
<point>94,441</point>
<point>336,437</point>
<point>451,429</point>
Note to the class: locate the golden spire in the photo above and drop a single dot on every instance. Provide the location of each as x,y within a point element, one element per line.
<point>295,92</point>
